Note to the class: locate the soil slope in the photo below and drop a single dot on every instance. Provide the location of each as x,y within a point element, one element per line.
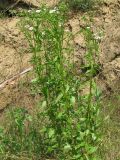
<point>15,56</point>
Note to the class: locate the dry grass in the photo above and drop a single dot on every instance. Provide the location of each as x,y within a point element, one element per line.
<point>110,149</point>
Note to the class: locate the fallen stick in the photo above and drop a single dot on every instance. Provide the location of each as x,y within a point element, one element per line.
<point>6,82</point>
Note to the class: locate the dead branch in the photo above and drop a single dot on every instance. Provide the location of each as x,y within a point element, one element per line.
<point>8,81</point>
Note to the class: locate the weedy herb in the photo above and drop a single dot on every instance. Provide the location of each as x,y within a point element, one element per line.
<point>83,5</point>
<point>71,120</point>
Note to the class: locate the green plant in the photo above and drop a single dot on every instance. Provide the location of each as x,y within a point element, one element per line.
<point>71,132</point>
<point>83,5</point>
<point>20,136</point>
<point>66,123</point>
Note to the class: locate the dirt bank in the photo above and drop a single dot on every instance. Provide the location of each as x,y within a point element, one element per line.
<point>15,55</point>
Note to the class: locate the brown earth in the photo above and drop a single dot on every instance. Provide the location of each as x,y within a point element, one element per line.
<point>11,4</point>
<point>15,56</point>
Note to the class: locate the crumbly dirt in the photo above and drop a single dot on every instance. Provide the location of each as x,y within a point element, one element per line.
<point>10,4</point>
<point>106,21</point>
<point>15,56</point>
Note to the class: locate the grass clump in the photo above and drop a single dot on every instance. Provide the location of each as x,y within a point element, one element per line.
<point>83,5</point>
<point>65,125</point>
<point>110,145</point>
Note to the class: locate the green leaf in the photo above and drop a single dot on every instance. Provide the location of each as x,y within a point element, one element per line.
<point>80,145</point>
<point>58,98</point>
<point>44,104</point>
<point>59,116</point>
<point>92,150</point>
<point>82,119</point>
<point>51,133</point>
<point>87,132</point>
<point>34,80</point>
<point>78,156</point>
<point>67,88</point>
<point>72,100</point>
<point>94,136</point>
<point>67,147</point>
<point>29,118</point>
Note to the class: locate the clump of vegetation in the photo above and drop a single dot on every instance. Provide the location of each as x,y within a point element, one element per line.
<point>65,126</point>
<point>83,5</point>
